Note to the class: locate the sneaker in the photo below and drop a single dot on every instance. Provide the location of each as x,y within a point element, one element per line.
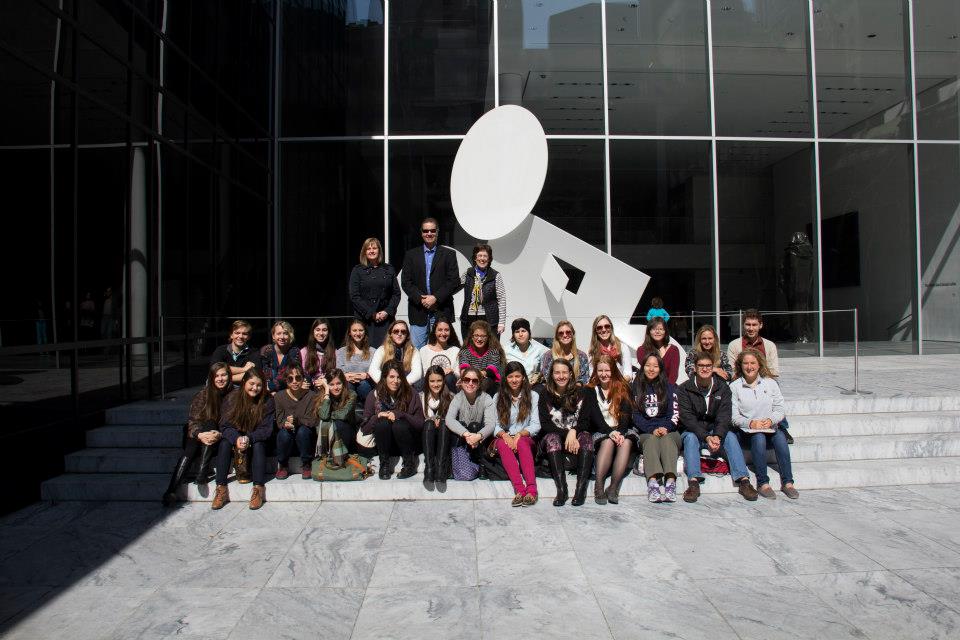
<point>767,492</point>
<point>282,473</point>
<point>517,500</point>
<point>670,492</point>
<point>653,493</point>
<point>790,492</point>
<point>693,490</point>
<point>746,489</point>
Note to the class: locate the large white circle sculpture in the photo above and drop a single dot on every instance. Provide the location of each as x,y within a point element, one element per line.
<point>498,172</point>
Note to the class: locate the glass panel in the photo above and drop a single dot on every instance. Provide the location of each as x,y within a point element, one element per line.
<point>862,73</point>
<point>761,69</point>
<point>572,196</point>
<point>332,68</point>
<point>940,245</point>
<point>937,43</point>
<point>332,200</point>
<point>657,54</point>
<point>868,231</point>
<point>24,103</point>
<point>441,65</point>
<point>661,199</point>
<point>551,62</point>
<point>768,255</point>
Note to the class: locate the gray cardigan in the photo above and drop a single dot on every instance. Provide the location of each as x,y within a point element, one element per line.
<point>461,413</point>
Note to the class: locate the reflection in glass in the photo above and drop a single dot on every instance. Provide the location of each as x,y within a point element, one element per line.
<point>551,62</point>
<point>868,227</point>
<point>862,73</point>
<point>657,54</point>
<point>441,65</point>
<point>761,70</point>
<point>767,219</point>
<point>937,43</point>
<point>660,197</point>
<point>572,196</point>
<point>940,246</point>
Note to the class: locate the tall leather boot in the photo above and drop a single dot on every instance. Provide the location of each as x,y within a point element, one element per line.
<point>409,468</point>
<point>383,450</point>
<point>203,471</point>
<point>584,467</point>
<point>555,458</point>
<point>444,462</point>
<point>429,454</point>
<point>170,495</point>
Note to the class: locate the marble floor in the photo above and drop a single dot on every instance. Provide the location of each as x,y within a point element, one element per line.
<point>861,563</point>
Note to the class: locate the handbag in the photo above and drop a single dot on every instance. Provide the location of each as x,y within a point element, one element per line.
<point>354,467</point>
<point>241,464</point>
<point>366,441</point>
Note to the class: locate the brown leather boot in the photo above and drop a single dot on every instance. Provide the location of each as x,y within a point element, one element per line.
<point>693,491</point>
<point>747,490</point>
<point>257,497</point>
<point>221,497</point>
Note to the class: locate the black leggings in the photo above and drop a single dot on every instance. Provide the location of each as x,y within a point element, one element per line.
<point>398,432</point>
<point>258,461</point>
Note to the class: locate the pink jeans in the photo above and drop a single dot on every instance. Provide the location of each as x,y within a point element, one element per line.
<point>525,470</point>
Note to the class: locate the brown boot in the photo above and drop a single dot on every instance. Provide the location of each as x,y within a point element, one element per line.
<point>747,490</point>
<point>693,490</point>
<point>221,497</point>
<point>257,498</point>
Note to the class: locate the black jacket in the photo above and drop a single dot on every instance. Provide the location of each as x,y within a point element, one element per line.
<point>591,418</point>
<point>374,289</point>
<point>694,415</point>
<point>444,282</point>
<point>488,295</point>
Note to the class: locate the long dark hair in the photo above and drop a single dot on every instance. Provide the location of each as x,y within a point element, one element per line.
<point>341,402</point>
<point>569,398</point>
<point>452,341</point>
<point>247,412</point>
<point>213,397</point>
<point>312,364</point>
<point>404,393</point>
<point>649,346</point>
<point>445,395</point>
<point>505,396</point>
<point>658,386</point>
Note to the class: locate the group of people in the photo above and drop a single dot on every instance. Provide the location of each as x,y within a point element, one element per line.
<point>486,409</point>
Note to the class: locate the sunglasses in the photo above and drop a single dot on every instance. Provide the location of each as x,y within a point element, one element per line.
<point>294,378</point>
<point>564,333</point>
<point>399,332</point>
<point>428,232</point>
<point>601,327</point>
<point>704,366</point>
<point>470,380</point>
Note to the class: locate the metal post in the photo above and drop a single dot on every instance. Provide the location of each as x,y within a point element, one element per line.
<point>163,384</point>
<point>856,358</point>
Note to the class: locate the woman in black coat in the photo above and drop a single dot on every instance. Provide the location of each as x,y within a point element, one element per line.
<point>374,292</point>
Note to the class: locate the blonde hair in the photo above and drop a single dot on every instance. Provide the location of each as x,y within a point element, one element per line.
<point>390,349</point>
<point>363,251</point>
<point>594,351</point>
<point>286,326</point>
<point>715,351</point>
<point>558,354</point>
<point>761,360</point>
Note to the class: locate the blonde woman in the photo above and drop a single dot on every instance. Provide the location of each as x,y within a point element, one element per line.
<point>397,347</point>
<point>276,357</point>
<point>565,348</point>
<point>374,291</point>
<point>707,342</point>
<point>603,342</point>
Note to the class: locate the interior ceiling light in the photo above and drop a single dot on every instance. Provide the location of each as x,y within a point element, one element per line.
<point>871,35</point>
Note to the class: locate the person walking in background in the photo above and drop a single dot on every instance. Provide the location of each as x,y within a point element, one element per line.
<point>484,294</point>
<point>657,310</point>
<point>429,278</point>
<point>374,292</point>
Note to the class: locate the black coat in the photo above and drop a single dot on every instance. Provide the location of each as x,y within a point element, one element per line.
<point>591,418</point>
<point>444,282</point>
<point>694,415</point>
<point>374,289</point>
<point>488,294</point>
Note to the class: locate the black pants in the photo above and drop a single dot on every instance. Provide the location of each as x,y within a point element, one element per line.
<point>258,461</point>
<point>192,448</point>
<point>398,433</point>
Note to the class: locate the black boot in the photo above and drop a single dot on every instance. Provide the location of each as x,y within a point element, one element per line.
<point>444,462</point>
<point>384,453</point>
<point>170,495</point>
<point>584,468</point>
<point>409,468</point>
<point>555,458</point>
<point>203,471</point>
<point>429,454</point>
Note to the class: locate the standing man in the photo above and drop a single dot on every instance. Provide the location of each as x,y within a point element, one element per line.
<point>429,279</point>
<point>752,324</point>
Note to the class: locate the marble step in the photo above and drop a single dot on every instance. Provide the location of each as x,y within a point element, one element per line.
<point>932,445</point>
<point>136,435</point>
<point>122,460</point>
<point>808,475</point>
<point>869,404</point>
<point>149,412</point>
<point>875,424</point>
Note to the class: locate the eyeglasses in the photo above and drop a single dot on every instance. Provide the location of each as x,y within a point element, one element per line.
<point>428,232</point>
<point>477,336</point>
<point>294,378</point>
<point>565,333</point>
<point>602,327</point>
<point>705,366</point>
<point>470,380</point>
<point>399,332</point>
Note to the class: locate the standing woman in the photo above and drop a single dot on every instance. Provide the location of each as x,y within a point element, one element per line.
<point>435,401</point>
<point>758,411</point>
<point>655,422</point>
<point>354,357</point>
<point>472,418</point>
<point>524,349</point>
<point>518,421</point>
<point>319,357</point>
<point>397,347</point>
<point>203,429</point>
<point>559,408</point>
<point>603,342</point>
<point>297,422</point>
<point>441,350</point>
<point>565,348</point>
<point>657,341</point>
<point>483,353</point>
<point>374,292</point>
<point>246,424</point>
<point>707,342</point>
<point>606,412</point>
<point>336,403</point>
<point>484,294</point>
<point>276,357</point>
<point>393,414</point>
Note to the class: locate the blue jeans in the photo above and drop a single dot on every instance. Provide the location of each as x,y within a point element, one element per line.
<point>420,334</point>
<point>731,449</point>
<point>305,445</point>
<point>759,443</point>
<point>362,389</point>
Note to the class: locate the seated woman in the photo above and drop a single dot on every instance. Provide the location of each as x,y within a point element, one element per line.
<point>393,415</point>
<point>335,406</point>
<point>758,411</point>
<point>277,356</point>
<point>565,348</point>
<point>442,350</point>
<point>203,429</point>
<point>353,358</point>
<point>319,357</point>
<point>397,347</point>
<point>435,402</point>
<point>472,418</point>
<point>522,348</point>
<point>657,341</point>
<point>518,421</point>
<point>606,412</point>
<point>246,423</point>
<point>655,422</point>
<point>603,342</point>
<point>483,353</point>
<point>297,422</point>
<point>559,409</point>
<point>707,342</point>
